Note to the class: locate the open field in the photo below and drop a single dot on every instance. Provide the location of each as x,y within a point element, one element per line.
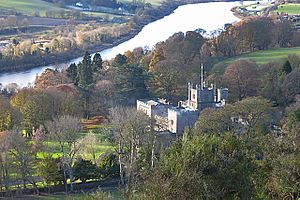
<point>292,9</point>
<point>28,7</point>
<point>263,57</point>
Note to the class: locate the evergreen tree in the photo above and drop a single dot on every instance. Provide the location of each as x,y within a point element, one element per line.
<point>72,72</point>
<point>286,68</point>
<point>85,81</point>
<point>119,60</point>
<point>130,83</point>
<point>84,73</point>
<point>97,62</point>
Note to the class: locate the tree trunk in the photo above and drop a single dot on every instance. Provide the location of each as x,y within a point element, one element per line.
<point>65,180</point>
<point>71,178</point>
<point>153,152</point>
<point>120,164</point>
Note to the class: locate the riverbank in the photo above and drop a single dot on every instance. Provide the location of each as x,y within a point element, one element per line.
<point>33,61</point>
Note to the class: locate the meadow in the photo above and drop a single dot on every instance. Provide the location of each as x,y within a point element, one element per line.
<point>292,9</point>
<point>28,7</point>
<point>265,56</point>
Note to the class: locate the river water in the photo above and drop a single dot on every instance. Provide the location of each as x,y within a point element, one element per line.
<point>207,16</point>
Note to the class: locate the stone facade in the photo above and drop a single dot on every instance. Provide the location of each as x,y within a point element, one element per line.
<point>176,118</point>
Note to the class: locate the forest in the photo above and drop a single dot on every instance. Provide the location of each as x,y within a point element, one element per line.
<point>248,149</point>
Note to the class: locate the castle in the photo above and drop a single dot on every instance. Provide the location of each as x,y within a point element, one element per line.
<point>176,118</point>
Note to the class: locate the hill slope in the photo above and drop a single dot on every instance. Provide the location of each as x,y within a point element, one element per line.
<point>28,7</point>
<point>263,57</point>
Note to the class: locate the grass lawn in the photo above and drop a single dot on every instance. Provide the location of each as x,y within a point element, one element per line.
<point>263,57</point>
<point>28,7</point>
<point>292,9</point>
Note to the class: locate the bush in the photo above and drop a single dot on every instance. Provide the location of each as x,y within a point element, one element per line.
<point>108,166</point>
<point>84,170</point>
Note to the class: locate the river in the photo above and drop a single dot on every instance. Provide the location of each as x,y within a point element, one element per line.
<point>207,16</point>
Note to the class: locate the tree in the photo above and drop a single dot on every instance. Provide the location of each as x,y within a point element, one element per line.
<point>85,170</point>
<point>130,83</point>
<point>283,159</point>
<point>241,78</point>
<point>85,81</point>
<point>108,165</point>
<point>166,76</point>
<point>204,167</point>
<point>36,107</point>
<point>23,158</point>
<point>291,86</point>
<point>133,133</point>
<point>89,146</point>
<point>72,73</point>
<point>286,68</point>
<point>5,159</point>
<point>119,60</point>
<point>97,62</point>
<point>84,71</point>
<point>64,130</point>
<point>48,169</point>
<point>255,113</point>
<point>9,117</point>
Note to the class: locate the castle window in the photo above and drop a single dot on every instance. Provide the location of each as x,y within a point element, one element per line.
<point>172,122</point>
<point>194,96</point>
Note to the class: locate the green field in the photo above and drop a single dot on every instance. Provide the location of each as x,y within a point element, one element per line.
<point>28,7</point>
<point>292,9</point>
<point>263,57</point>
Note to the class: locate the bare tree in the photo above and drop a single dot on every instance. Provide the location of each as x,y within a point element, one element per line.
<point>133,132</point>
<point>23,157</point>
<point>64,130</point>
<point>5,160</point>
<point>89,145</point>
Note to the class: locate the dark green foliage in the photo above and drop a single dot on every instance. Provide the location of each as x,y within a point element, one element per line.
<point>84,71</point>
<point>206,167</point>
<point>130,83</point>
<point>48,169</point>
<point>85,170</point>
<point>119,60</point>
<point>286,68</point>
<point>72,72</point>
<point>108,166</point>
<point>97,62</point>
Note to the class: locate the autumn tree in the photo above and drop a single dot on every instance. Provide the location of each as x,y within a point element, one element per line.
<point>35,108</point>
<point>165,78</point>
<point>9,116</point>
<point>241,79</point>
<point>5,160</point>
